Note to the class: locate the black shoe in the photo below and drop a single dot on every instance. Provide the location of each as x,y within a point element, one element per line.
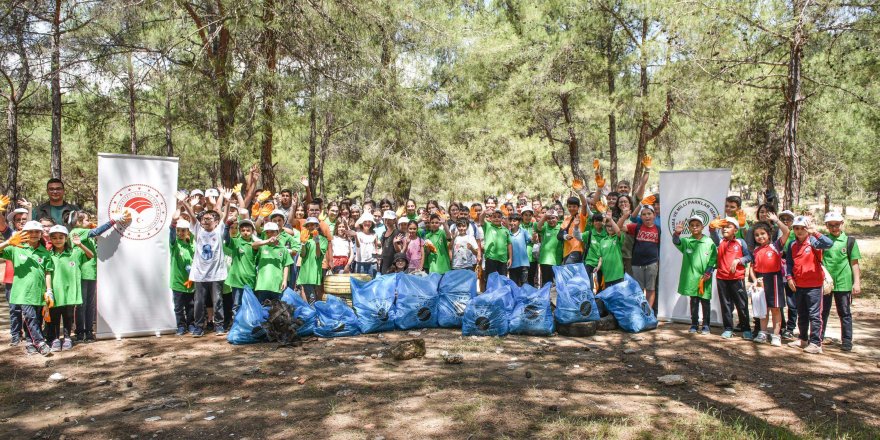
<point>787,334</point>
<point>846,346</point>
<point>90,337</point>
<point>15,341</point>
<point>80,337</point>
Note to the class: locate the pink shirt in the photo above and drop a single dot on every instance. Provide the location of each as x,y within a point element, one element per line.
<point>415,253</point>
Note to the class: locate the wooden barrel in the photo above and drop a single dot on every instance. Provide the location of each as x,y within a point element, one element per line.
<point>340,284</point>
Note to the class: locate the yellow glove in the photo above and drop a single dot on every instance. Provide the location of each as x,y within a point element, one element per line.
<point>263,196</point>
<point>267,209</point>
<point>236,189</point>
<point>4,202</point>
<point>255,210</point>
<point>16,239</point>
<point>647,161</point>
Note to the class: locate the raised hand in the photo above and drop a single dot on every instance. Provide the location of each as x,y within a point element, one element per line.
<point>4,202</point>
<point>600,181</point>
<point>577,184</point>
<point>194,200</point>
<point>741,217</point>
<point>649,200</point>
<point>717,223</point>
<point>647,161</point>
<point>76,239</point>
<point>181,196</point>
<point>24,203</point>
<point>304,181</point>
<point>263,196</point>
<point>596,165</point>
<point>773,218</point>
<point>601,206</point>
<point>236,189</point>
<point>679,228</point>
<point>227,193</point>
<point>16,239</point>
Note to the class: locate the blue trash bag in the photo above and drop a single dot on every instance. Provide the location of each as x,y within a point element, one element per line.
<point>575,301</point>
<point>456,289</point>
<point>626,301</point>
<point>374,303</point>
<point>486,314</point>
<point>533,314</point>
<point>417,299</point>
<point>497,281</point>
<point>302,311</point>
<point>335,318</point>
<point>246,327</point>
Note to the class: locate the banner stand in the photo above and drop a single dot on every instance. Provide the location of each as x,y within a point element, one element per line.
<point>684,194</point>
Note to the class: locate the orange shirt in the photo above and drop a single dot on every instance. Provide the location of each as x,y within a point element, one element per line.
<point>573,244</point>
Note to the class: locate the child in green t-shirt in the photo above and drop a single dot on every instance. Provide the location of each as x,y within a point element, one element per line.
<point>842,262</point>
<point>311,255</point>
<point>609,248</point>
<point>273,265</point>
<point>32,281</point>
<point>550,252</point>
<point>66,285</point>
<point>699,256</point>
<point>181,249</point>
<point>242,271</point>
<point>497,248</point>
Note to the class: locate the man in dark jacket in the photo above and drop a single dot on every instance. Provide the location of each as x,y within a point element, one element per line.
<point>56,208</point>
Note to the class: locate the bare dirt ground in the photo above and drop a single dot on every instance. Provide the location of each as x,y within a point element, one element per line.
<point>511,387</point>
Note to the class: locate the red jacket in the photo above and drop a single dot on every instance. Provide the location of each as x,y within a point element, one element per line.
<point>804,261</point>
<point>729,250</point>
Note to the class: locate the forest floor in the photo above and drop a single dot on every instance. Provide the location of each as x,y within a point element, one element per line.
<point>511,387</point>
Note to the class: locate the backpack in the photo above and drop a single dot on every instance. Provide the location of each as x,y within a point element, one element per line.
<point>850,243</point>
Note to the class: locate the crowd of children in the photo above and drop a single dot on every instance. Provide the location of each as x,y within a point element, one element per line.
<point>225,240</point>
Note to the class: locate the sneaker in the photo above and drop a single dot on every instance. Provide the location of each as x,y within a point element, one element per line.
<point>191,329</point>
<point>198,333</point>
<point>797,343</point>
<point>56,345</point>
<point>181,331</point>
<point>846,346</point>
<point>44,349</point>
<point>67,344</point>
<point>727,334</point>
<point>747,334</point>
<point>761,338</point>
<point>219,330</point>
<point>813,349</point>
<point>90,337</point>
<point>705,330</point>
<point>15,341</point>
<point>776,340</point>
<point>31,349</point>
<point>693,329</point>
<point>787,334</point>
<point>80,337</point>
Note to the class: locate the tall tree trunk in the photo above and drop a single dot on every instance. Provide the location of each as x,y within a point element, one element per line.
<point>876,215</point>
<point>573,146</point>
<point>166,120</point>
<point>55,76</point>
<point>12,188</point>
<point>793,100</point>
<point>371,179</point>
<point>827,201</point>
<point>610,75</point>
<point>313,146</point>
<point>16,95</point>
<point>270,51</point>
<point>132,111</point>
<point>325,147</point>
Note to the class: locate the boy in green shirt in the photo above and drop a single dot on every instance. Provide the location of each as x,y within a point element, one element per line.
<point>699,256</point>
<point>438,260</point>
<point>66,284</point>
<point>497,248</point>
<point>243,268</point>
<point>842,262</point>
<point>610,251</point>
<point>273,265</point>
<point>181,249</point>
<point>311,255</point>
<point>550,252</point>
<point>32,285</point>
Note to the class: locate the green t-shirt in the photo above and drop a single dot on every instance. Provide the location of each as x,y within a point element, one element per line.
<point>243,269</point>
<point>310,269</point>
<point>837,261</point>
<point>530,229</point>
<point>495,241</point>
<point>697,257</point>
<point>609,248</point>
<point>591,236</point>
<point>437,262</point>
<point>30,267</point>
<point>67,277</point>
<point>181,262</point>
<point>90,268</point>
<point>550,252</point>
<point>271,261</point>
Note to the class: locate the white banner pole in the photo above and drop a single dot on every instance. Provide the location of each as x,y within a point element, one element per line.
<point>134,295</point>
<point>682,195</point>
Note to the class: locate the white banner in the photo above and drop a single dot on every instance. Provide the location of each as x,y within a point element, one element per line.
<point>134,296</point>
<point>682,195</point>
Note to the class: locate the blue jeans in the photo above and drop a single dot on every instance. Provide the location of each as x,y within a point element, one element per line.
<point>809,307</point>
<point>367,268</point>
<point>183,308</point>
<point>237,292</point>
<point>14,315</point>
<point>88,310</point>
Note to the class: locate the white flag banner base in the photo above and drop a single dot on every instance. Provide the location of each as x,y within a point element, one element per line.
<point>684,194</point>
<point>134,294</point>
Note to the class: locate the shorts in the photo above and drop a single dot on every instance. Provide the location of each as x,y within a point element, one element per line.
<point>774,288</point>
<point>340,261</point>
<point>646,275</point>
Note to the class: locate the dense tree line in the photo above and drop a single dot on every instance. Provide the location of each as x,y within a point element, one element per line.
<point>445,98</point>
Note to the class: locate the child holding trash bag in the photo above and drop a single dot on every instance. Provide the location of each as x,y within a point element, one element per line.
<point>610,252</point>
<point>699,255</point>
<point>66,285</point>
<point>311,256</point>
<point>273,264</point>
<point>766,273</point>
<point>181,249</point>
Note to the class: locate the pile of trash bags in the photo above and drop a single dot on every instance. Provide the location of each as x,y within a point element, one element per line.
<point>406,302</point>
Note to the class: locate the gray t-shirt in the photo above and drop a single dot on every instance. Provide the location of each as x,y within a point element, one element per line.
<point>209,261</point>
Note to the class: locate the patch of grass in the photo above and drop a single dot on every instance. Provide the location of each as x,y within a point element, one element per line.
<point>577,427</point>
<point>863,228</point>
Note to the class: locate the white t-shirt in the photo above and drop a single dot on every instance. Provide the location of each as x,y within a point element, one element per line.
<point>462,257</point>
<point>366,250</point>
<point>341,246</point>
<point>473,230</point>
<point>209,261</point>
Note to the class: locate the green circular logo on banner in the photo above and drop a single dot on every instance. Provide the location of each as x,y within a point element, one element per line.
<point>690,207</point>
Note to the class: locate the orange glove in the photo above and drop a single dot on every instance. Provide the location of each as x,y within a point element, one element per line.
<point>647,161</point>
<point>577,184</point>
<point>255,210</point>
<point>50,302</point>
<point>600,181</point>
<point>315,233</point>
<point>649,200</point>
<point>505,211</point>
<point>430,246</point>
<point>601,206</point>
<point>263,196</point>
<point>596,165</point>
<point>188,284</point>
<point>741,217</point>
<point>267,209</point>
<point>16,239</point>
<point>700,287</point>
<point>717,223</point>
<point>474,215</point>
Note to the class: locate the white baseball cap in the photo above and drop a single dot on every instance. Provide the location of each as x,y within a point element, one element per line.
<point>196,192</point>
<point>365,217</point>
<point>800,221</point>
<point>697,218</point>
<point>312,220</point>
<point>58,229</point>
<point>211,192</point>
<point>182,224</point>
<point>278,212</point>
<point>389,215</point>
<point>833,216</point>
<point>525,209</point>
<point>402,221</point>
<point>733,221</point>
<point>270,227</point>
<point>786,212</point>
<point>32,225</point>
